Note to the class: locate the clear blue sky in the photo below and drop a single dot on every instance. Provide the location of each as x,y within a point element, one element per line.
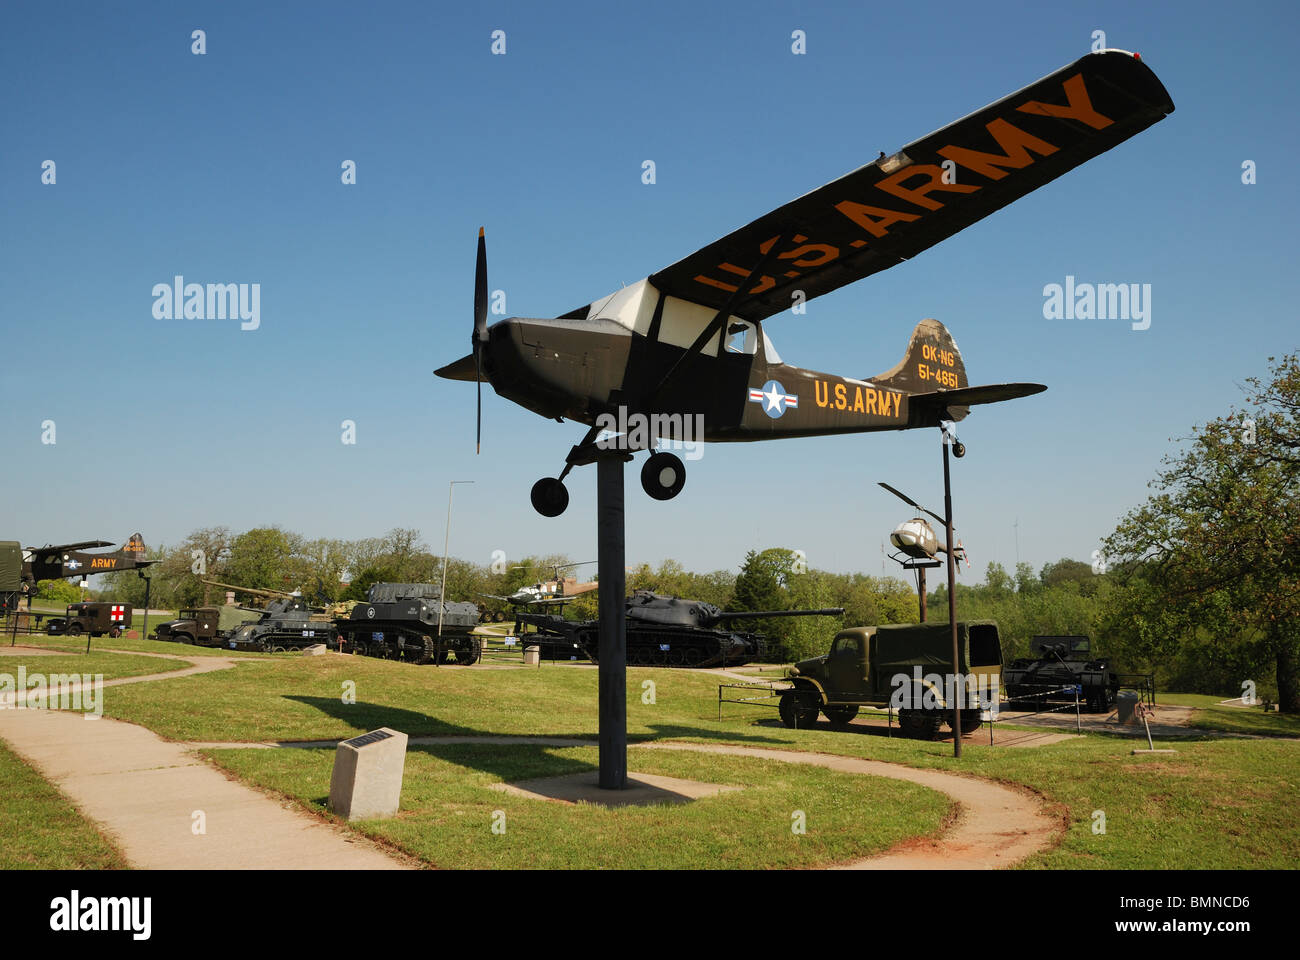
<point>226,168</point>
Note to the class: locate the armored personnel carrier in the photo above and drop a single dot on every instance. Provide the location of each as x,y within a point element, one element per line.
<point>668,632</point>
<point>1063,663</point>
<point>399,621</point>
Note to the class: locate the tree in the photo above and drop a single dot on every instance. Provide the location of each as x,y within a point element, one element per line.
<point>1214,554</point>
<point>263,558</point>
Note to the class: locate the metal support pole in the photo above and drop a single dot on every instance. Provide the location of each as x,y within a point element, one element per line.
<point>612,651</point>
<point>952,598</point>
<point>148,582</point>
<point>920,575</point>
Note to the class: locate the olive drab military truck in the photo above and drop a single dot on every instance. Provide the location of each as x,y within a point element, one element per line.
<point>204,626</point>
<point>11,575</point>
<point>907,666</point>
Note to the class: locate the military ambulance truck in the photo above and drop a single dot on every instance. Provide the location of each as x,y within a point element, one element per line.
<point>94,618</point>
<point>906,664</point>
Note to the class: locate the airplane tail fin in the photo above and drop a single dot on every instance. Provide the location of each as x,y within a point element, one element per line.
<point>934,376</point>
<point>134,547</point>
<point>931,362</point>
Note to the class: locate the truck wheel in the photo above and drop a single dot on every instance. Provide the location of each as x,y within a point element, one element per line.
<point>970,723</point>
<point>74,630</point>
<point>798,708</point>
<point>920,724</point>
<point>840,716</point>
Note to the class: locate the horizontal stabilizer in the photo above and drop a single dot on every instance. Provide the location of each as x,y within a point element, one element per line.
<point>462,369</point>
<point>928,409</point>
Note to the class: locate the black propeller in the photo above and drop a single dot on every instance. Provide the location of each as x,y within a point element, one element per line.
<point>479,337</point>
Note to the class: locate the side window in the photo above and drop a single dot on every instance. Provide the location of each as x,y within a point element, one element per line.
<point>985,651</point>
<point>848,646</point>
<point>742,338</point>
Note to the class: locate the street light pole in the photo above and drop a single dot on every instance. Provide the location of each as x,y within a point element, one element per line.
<point>446,541</point>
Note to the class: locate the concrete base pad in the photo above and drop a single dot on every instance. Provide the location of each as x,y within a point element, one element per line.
<point>1152,751</point>
<point>643,789</point>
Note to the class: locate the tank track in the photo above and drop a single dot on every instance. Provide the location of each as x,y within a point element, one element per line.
<point>696,650</point>
<point>411,646</point>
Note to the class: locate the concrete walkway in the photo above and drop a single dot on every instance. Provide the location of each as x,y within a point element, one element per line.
<point>148,796</point>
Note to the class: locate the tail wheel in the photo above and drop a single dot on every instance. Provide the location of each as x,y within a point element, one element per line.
<point>799,708</point>
<point>840,716</point>
<point>920,724</point>
<point>663,476</point>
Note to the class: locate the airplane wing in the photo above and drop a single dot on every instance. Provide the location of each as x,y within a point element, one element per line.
<point>890,210</point>
<point>83,545</point>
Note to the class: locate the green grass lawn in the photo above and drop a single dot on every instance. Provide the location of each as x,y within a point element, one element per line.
<point>78,644</point>
<point>111,665</point>
<point>40,829</point>
<point>1214,804</point>
<point>1212,714</point>
<point>448,810</point>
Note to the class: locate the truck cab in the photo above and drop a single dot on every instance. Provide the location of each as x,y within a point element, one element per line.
<point>903,665</point>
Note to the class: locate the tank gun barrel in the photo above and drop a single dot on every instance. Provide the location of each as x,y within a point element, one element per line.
<point>255,591</point>
<point>764,614</point>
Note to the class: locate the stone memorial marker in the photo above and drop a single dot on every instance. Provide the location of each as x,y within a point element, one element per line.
<point>367,778</point>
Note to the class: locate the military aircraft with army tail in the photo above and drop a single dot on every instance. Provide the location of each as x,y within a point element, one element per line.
<point>682,355</point>
<point>70,560</point>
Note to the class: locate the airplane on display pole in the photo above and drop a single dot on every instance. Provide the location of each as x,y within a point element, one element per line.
<point>70,560</point>
<point>682,355</point>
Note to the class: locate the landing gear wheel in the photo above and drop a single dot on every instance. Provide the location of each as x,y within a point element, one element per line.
<point>798,708</point>
<point>840,716</point>
<point>549,496</point>
<point>663,476</point>
<point>920,724</point>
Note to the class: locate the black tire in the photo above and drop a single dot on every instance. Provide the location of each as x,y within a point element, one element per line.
<point>798,709</point>
<point>920,724</point>
<point>840,717</point>
<point>663,476</point>
<point>970,722</point>
<point>549,496</point>
<point>74,630</point>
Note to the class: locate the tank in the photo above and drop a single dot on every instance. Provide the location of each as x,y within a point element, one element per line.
<point>399,621</point>
<point>1063,663</point>
<point>669,632</point>
<point>285,623</point>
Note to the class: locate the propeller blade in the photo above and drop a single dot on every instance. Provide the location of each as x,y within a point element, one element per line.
<point>479,336</point>
<point>480,291</point>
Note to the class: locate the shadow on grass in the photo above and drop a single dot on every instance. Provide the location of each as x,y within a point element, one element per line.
<point>522,761</point>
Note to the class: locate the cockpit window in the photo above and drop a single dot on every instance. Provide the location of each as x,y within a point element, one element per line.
<point>742,338</point>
